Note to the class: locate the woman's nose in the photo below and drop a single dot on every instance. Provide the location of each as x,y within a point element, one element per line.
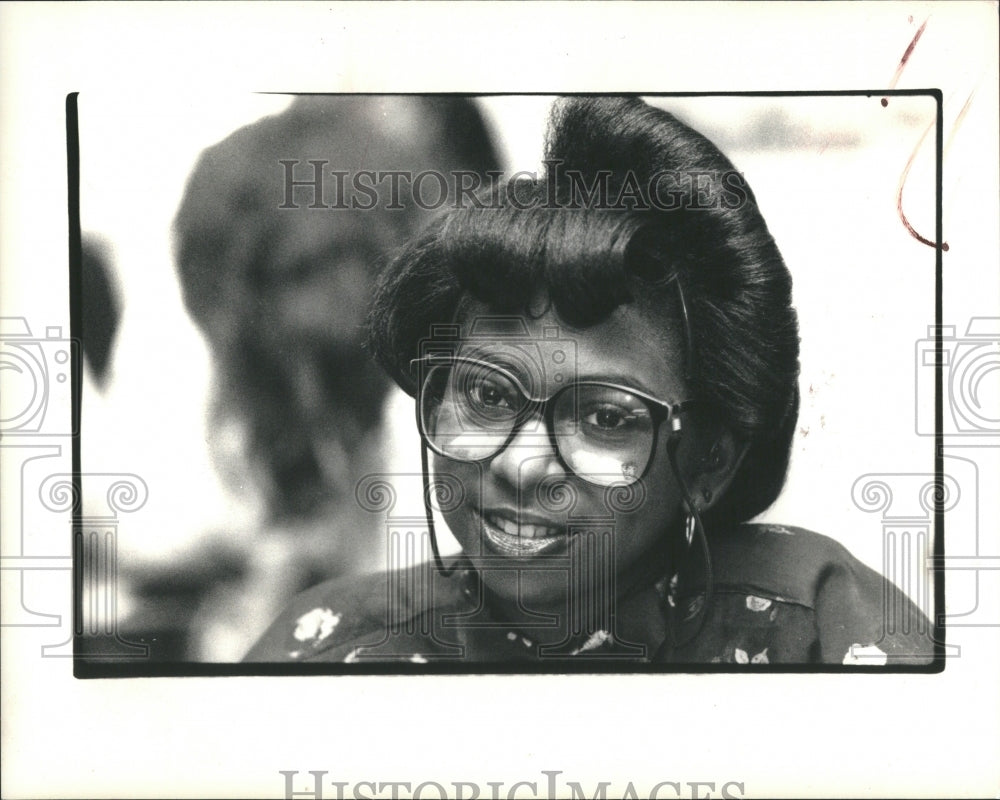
<point>528,458</point>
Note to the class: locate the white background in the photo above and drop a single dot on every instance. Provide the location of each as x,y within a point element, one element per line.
<point>778,734</point>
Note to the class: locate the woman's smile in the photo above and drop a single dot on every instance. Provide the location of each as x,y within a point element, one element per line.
<point>509,533</point>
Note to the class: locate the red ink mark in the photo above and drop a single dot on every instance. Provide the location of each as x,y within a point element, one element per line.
<point>958,120</point>
<point>899,194</point>
<point>906,57</point>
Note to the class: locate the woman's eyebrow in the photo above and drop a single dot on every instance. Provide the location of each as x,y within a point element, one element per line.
<point>501,352</point>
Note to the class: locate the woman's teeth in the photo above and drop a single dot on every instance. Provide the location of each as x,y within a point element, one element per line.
<point>512,528</point>
<point>509,537</point>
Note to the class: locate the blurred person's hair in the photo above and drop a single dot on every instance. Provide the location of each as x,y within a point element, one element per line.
<point>281,293</point>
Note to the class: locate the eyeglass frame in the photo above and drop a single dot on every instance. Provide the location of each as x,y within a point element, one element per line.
<point>544,407</point>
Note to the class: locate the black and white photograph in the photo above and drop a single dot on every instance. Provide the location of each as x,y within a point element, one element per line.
<point>499,400</point>
<point>509,381</point>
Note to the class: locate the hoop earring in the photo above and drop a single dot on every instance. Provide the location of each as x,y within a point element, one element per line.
<point>692,525</point>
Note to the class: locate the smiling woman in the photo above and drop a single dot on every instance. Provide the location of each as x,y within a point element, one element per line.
<point>606,392</point>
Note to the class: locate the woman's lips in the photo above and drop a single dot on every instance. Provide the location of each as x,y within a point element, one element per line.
<point>508,536</point>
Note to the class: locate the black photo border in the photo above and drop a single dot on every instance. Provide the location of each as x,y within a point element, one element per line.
<point>90,667</point>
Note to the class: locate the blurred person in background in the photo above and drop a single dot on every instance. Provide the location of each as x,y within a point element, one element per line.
<point>278,276</point>
<point>100,306</point>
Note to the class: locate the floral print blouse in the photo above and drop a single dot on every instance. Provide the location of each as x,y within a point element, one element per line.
<point>780,595</point>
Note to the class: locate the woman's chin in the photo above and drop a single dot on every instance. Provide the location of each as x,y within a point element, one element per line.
<point>531,588</point>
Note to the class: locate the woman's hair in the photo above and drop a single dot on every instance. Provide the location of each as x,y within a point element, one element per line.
<point>633,202</point>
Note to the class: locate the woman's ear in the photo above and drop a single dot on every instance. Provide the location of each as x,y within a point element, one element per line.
<point>715,470</point>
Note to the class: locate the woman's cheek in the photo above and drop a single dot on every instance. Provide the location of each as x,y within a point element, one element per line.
<point>459,500</point>
<point>459,522</point>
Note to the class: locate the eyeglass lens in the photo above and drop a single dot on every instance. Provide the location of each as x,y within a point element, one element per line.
<point>603,434</point>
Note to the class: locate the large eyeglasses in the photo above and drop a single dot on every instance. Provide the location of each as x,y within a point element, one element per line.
<point>470,410</point>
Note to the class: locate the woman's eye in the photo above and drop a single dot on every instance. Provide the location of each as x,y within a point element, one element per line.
<point>491,396</point>
<point>608,418</point>
<point>487,394</point>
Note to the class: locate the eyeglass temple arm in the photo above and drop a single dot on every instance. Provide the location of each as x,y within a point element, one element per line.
<point>688,339</point>
<point>429,512</point>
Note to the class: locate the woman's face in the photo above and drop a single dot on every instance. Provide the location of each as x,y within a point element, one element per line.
<point>518,523</point>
